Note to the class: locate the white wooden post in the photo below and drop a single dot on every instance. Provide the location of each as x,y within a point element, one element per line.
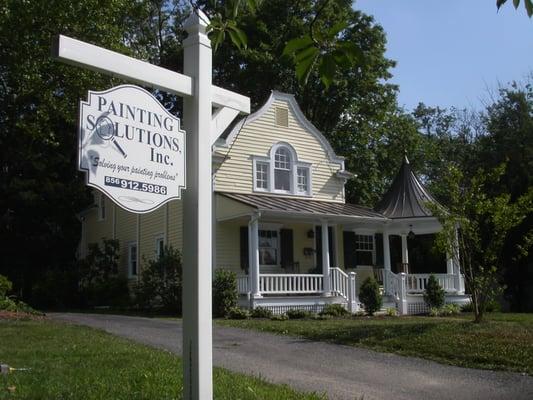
<point>326,281</point>
<point>197,222</point>
<point>352,296</point>
<point>402,309</point>
<point>405,252</point>
<point>386,261</point>
<point>254,251</point>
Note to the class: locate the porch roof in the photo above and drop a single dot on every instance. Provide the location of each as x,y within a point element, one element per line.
<point>304,207</point>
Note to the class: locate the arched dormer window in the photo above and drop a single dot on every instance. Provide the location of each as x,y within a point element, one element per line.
<point>281,172</point>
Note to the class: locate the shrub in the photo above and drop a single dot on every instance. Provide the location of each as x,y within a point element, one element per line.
<point>433,312</point>
<point>225,293</point>
<point>392,312</point>
<point>160,283</point>
<point>10,303</point>
<point>370,296</point>
<point>237,313</point>
<point>467,307</point>
<point>57,289</point>
<point>261,312</point>
<point>450,309</point>
<point>434,294</point>
<point>334,310</point>
<point>5,286</point>
<point>100,282</point>
<point>321,317</point>
<point>279,317</point>
<point>294,313</point>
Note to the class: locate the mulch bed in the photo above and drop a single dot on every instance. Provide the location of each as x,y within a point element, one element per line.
<point>13,315</point>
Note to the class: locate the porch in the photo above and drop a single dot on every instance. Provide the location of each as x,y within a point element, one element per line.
<point>301,259</point>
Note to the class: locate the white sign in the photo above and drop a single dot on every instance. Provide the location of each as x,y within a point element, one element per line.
<point>131,148</point>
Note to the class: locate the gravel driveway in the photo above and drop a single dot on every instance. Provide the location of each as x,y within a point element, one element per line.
<point>342,372</point>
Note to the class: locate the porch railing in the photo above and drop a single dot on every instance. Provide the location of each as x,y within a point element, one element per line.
<point>243,284</point>
<point>290,283</point>
<point>417,283</point>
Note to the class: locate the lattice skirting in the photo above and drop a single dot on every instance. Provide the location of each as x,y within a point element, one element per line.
<point>282,309</point>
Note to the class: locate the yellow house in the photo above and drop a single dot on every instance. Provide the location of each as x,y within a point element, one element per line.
<point>283,226</point>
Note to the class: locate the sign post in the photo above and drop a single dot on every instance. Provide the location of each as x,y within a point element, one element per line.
<point>203,127</point>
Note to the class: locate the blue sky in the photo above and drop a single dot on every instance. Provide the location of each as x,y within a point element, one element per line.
<point>453,52</point>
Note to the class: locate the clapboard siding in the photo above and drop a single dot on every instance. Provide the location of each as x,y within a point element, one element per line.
<point>228,246</point>
<point>152,227</point>
<point>126,233</point>
<point>257,137</point>
<point>175,224</point>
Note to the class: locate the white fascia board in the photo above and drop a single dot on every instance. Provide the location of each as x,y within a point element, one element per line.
<point>275,95</point>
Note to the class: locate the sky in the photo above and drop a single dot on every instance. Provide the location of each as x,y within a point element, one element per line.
<point>453,52</point>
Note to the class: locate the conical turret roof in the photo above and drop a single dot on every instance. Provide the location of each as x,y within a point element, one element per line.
<point>406,197</point>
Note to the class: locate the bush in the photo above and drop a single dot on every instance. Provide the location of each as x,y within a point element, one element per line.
<point>160,284</point>
<point>225,293</point>
<point>450,309</point>
<point>9,303</point>
<point>57,289</point>
<point>334,310</point>
<point>294,313</point>
<point>237,313</point>
<point>434,294</point>
<point>370,296</point>
<point>5,287</point>
<point>261,312</point>
<point>100,282</point>
<point>392,312</point>
<point>491,306</point>
<point>279,317</point>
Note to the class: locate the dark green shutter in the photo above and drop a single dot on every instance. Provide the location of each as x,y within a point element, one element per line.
<point>244,248</point>
<point>379,249</point>
<point>286,247</point>
<point>349,249</point>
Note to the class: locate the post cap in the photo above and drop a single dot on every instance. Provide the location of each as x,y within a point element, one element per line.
<point>196,21</point>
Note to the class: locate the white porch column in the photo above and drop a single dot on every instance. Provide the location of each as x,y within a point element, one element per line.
<point>254,256</point>
<point>325,259</point>
<point>449,264</point>
<point>456,266</point>
<point>386,261</point>
<point>405,251</point>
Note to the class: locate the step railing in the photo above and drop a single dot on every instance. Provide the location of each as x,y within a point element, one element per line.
<point>340,282</point>
<point>343,285</point>
<point>290,283</point>
<point>378,275</point>
<point>392,284</point>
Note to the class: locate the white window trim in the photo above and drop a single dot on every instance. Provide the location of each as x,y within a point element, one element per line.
<point>101,200</point>
<point>130,246</point>
<point>295,164</point>
<point>158,238</point>
<point>373,251</point>
<point>274,228</point>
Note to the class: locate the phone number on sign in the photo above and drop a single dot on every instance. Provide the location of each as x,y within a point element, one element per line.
<point>135,185</point>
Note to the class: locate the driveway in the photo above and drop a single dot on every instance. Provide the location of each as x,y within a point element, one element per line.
<point>342,372</point>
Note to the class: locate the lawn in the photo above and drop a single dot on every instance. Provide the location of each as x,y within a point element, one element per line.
<point>502,342</point>
<point>72,362</point>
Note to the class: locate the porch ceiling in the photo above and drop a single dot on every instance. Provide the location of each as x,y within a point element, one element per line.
<point>291,207</point>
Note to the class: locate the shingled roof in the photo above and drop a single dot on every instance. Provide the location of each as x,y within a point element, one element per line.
<point>406,197</point>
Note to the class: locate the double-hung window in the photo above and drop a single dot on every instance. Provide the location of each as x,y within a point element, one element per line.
<point>132,260</point>
<point>364,249</point>
<point>282,172</point>
<point>268,247</point>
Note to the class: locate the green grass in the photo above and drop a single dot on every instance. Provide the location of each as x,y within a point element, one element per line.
<point>502,342</point>
<point>72,362</point>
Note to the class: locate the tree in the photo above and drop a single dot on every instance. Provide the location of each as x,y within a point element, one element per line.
<point>476,227</point>
<point>528,5</point>
<point>41,190</point>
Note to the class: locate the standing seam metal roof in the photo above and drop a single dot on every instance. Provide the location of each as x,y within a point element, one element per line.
<point>406,197</point>
<point>302,206</point>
